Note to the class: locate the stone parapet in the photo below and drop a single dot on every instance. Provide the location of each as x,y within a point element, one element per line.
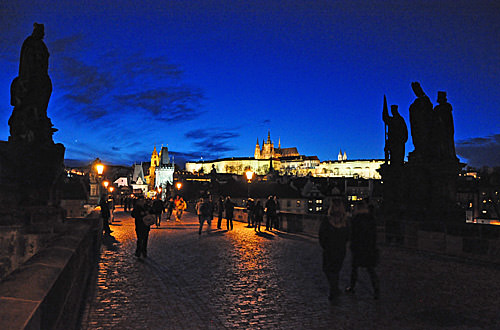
<point>471,241</point>
<point>48,290</point>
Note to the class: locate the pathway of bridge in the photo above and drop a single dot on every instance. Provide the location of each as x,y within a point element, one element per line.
<point>240,280</point>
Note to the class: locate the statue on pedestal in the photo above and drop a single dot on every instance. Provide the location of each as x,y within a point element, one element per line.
<point>421,116</point>
<point>397,135</point>
<point>30,92</point>
<point>31,163</point>
<point>443,130</point>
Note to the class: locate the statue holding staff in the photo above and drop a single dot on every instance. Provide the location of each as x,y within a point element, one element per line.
<point>396,135</point>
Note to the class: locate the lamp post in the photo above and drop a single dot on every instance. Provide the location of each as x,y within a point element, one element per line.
<point>99,168</point>
<point>95,175</point>
<point>249,176</point>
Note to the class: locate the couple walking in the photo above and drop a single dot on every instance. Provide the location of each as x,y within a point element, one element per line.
<point>334,233</point>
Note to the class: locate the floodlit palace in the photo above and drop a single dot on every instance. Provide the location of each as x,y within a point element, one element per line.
<point>288,161</point>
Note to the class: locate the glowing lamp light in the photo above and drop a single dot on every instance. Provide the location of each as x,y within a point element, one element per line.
<point>178,185</point>
<point>111,189</point>
<point>249,175</point>
<point>105,184</point>
<point>99,168</point>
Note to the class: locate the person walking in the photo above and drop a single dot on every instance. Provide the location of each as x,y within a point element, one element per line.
<point>258,215</point>
<point>203,209</point>
<point>170,208</point>
<point>229,207</point>
<point>220,210</point>
<point>333,236</point>
<point>158,210</point>
<point>364,246</point>
<point>105,214</point>
<point>180,206</point>
<point>141,230</point>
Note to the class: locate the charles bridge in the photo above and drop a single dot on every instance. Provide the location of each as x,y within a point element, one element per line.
<point>240,279</point>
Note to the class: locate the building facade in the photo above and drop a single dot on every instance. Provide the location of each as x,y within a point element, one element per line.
<point>164,170</point>
<point>288,161</point>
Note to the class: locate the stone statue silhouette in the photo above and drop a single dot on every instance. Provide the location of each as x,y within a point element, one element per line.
<point>30,92</point>
<point>397,135</point>
<point>421,116</point>
<point>443,129</point>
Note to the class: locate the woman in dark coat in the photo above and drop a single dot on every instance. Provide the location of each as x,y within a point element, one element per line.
<point>364,246</point>
<point>141,230</point>
<point>333,236</point>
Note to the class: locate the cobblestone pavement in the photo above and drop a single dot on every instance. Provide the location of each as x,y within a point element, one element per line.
<point>240,280</point>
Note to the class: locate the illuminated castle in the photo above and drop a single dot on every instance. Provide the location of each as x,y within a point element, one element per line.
<point>268,151</point>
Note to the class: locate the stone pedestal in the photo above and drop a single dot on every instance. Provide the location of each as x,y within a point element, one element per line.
<point>29,174</point>
<point>431,190</point>
<point>393,210</point>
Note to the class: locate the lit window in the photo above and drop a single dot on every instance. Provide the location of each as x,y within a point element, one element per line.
<point>298,203</point>
<point>484,211</point>
<point>319,201</point>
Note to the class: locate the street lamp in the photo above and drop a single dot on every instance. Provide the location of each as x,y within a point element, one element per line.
<point>99,168</point>
<point>249,176</point>
<point>105,184</point>
<point>178,185</point>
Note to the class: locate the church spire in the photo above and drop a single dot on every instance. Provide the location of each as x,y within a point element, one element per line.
<point>257,150</point>
<point>279,143</point>
<point>269,137</point>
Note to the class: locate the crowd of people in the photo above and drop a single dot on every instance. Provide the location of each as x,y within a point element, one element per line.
<point>337,229</point>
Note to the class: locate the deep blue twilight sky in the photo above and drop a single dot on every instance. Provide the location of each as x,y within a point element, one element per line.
<point>210,77</point>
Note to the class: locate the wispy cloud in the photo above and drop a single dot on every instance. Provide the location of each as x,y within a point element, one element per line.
<point>171,104</point>
<point>480,151</point>
<point>212,142</point>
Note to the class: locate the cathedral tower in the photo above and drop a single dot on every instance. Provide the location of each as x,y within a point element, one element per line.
<point>257,150</point>
<point>155,161</point>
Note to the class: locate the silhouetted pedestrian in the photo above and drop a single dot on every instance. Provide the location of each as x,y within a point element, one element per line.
<point>258,215</point>
<point>141,230</point>
<point>170,208</point>
<point>158,210</point>
<point>203,209</point>
<point>270,212</point>
<point>105,214</point>
<point>364,246</point>
<point>220,210</point>
<point>250,215</point>
<point>229,207</point>
<point>333,235</point>
<point>277,213</point>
